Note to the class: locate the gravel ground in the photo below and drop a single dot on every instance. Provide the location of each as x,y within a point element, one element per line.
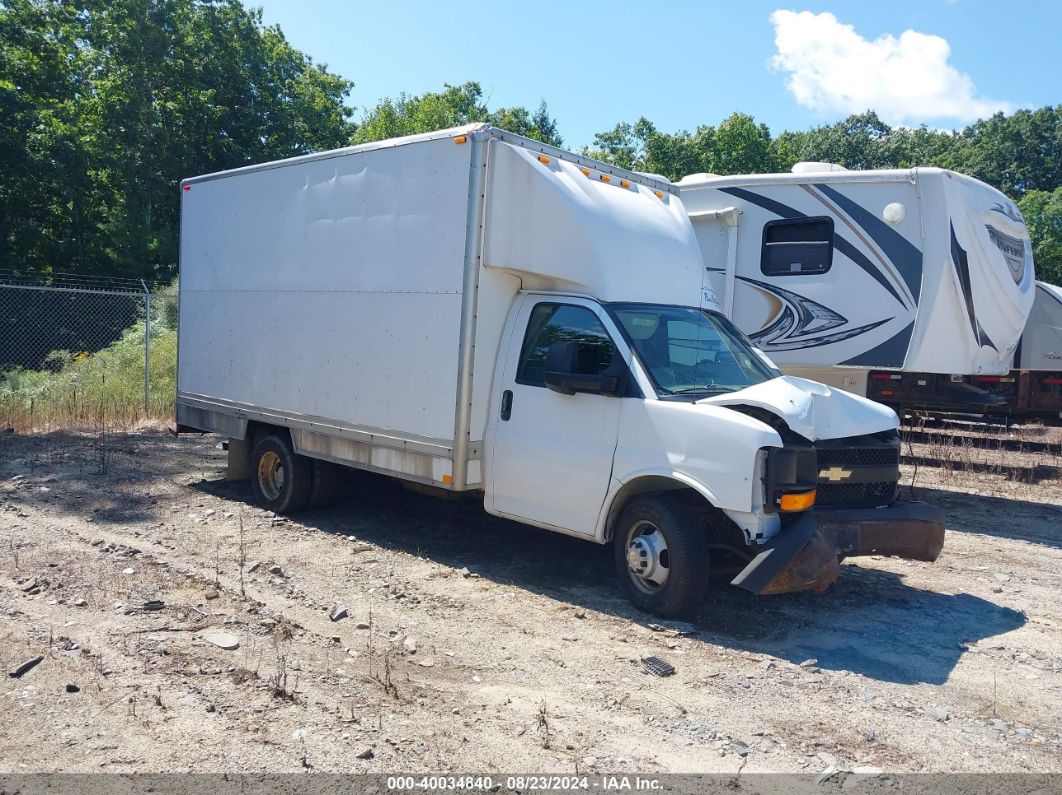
<point>475,644</point>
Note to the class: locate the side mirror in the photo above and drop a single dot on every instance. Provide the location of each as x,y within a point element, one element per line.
<point>567,366</point>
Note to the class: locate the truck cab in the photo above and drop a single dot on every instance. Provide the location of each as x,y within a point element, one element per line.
<point>660,429</point>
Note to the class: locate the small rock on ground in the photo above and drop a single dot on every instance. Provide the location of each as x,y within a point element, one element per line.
<point>337,612</point>
<point>25,667</point>
<point>223,640</point>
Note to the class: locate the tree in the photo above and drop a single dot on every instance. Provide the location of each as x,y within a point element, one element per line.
<point>741,146</point>
<point>451,107</point>
<point>109,103</point>
<point>1043,216</point>
<point>1017,153</point>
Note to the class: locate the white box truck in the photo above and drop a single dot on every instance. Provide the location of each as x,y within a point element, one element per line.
<point>907,286</point>
<point>472,310</point>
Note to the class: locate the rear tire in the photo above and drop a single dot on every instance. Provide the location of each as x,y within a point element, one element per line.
<point>661,555</point>
<point>280,479</point>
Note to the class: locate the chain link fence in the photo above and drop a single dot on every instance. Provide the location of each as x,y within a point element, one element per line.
<point>80,350</point>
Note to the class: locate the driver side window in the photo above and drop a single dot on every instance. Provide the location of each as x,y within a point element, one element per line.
<point>550,323</point>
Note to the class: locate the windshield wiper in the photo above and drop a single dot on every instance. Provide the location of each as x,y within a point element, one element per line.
<point>710,389</point>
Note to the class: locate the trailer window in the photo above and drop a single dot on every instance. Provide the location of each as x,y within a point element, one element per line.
<point>550,323</point>
<point>797,246</point>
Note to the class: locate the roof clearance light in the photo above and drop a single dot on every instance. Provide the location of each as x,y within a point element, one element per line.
<point>659,194</point>
<point>606,178</point>
<point>186,187</point>
<point>460,139</point>
<point>586,172</point>
<point>624,183</point>
<point>543,159</point>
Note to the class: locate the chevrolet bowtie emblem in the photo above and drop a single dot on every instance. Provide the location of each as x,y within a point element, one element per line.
<point>835,473</point>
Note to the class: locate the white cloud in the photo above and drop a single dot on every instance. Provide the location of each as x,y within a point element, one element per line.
<point>907,80</point>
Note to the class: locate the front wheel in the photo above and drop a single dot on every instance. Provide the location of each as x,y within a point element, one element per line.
<point>661,555</point>
<point>280,479</point>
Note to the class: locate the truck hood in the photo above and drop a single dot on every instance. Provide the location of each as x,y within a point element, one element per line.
<point>813,410</point>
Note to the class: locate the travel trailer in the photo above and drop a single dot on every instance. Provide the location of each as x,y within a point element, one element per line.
<point>472,311</point>
<point>1031,390</point>
<point>877,282</point>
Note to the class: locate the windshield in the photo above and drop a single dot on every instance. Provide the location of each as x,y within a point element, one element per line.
<point>690,352</point>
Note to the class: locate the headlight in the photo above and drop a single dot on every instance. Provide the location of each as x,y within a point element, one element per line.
<point>792,475</point>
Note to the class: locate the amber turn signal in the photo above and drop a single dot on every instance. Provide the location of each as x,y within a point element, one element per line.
<point>797,502</point>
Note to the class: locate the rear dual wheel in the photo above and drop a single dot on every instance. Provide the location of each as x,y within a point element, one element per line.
<point>280,479</point>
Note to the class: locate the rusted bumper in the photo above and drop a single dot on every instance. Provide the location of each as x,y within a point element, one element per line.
<point>807,554</point>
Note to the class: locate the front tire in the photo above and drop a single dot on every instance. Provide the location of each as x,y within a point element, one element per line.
<point>280,479</point>
<point>661,555</point>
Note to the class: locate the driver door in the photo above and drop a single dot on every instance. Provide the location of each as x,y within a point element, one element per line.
<point>551,456</point>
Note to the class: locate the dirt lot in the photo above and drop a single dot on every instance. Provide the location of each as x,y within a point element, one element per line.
<point>474,644</point>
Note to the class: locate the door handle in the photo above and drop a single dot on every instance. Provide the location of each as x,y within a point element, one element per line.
<point>507,405</point>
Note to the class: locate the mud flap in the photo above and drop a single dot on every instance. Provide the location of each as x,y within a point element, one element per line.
<point>797,559</point>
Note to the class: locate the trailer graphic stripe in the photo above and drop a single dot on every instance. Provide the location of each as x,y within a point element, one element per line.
<point>891,353</point>
<point>862,234</point>
<point>801,318</point>
<point>904,256</point>
<point>840,243</point>
<point>962,270</point>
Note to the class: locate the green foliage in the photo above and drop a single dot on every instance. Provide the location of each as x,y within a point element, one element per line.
<point>1020,154</point>
<point>106,104</point>
<point>1043,215</point>
<point>737,146</point>
<point>452,107</point>
<point>106,386</point>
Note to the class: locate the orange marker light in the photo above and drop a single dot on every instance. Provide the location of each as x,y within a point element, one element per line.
<point>586,172</point>
<point>448,479</point>
<point>606,178</point>
<point>624,183</point>
<point>659,194</point>
<point>460,139</point>
<point>797,502</point>
<point>543,159</point>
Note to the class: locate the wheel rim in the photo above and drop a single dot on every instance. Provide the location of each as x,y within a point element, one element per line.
<point>648,560</point>
<point>271,475</point>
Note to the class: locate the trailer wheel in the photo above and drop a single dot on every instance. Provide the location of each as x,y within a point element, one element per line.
<point>280,479</point>
<point>325,483</point>
<point>661,555</point>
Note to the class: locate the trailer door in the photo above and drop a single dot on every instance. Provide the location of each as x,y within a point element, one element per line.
<point>551,453</point>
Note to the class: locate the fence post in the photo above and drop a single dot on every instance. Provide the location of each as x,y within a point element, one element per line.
<point>147,345</point>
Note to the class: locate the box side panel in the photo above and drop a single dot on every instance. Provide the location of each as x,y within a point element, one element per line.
<point>330,288</point>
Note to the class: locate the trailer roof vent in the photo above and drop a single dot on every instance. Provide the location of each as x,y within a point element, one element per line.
<point>811,166</point>
<point>696,177</point>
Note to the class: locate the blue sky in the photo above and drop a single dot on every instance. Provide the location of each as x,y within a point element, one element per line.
<point>684,63</point>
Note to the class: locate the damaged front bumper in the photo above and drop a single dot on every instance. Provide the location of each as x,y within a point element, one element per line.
<point>806,555</point>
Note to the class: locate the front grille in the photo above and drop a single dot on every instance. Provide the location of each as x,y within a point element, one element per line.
<point>858,456</point>
<point>858,472</point>
<point>854,495</point>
